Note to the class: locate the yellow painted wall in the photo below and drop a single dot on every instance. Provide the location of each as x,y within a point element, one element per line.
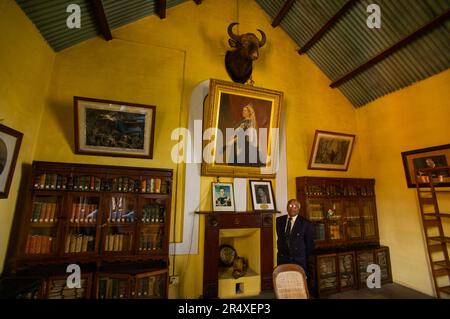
<point>25,68</point>
<point>413,118</point>
<point>159,62</point>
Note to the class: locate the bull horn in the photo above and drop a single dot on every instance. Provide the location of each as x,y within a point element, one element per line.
<point>230,32</point>
<point>263,38</point>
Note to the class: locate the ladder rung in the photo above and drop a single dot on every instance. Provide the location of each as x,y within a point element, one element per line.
<point>426,200</point>
<point>436,191</point>
<point>440,272</point>
<point>431,223</point>
<point>435,248</point>
<point>437,215</point>
<point>442,263</point>
<point>445,289</point>
<point>440,238</point>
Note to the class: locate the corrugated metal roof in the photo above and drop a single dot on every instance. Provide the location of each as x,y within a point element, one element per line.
<point>350,43</point>
<point>50,17</point>
<point>121,12</point>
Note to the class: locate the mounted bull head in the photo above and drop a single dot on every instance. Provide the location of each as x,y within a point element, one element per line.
<point>238,62</point>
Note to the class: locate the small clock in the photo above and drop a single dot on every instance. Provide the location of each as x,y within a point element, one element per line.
<point>227,254</point>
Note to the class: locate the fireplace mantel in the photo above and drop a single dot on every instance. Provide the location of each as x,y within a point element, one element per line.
<point>214,222</point>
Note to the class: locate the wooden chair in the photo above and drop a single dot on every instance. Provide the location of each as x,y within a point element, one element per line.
<point>289,282</point>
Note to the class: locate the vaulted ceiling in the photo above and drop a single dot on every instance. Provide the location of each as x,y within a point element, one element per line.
<point>363,63</point>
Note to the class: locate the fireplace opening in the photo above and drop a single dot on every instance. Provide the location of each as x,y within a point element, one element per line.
<point>246,242</point>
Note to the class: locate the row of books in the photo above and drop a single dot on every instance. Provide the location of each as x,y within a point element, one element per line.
<point>79,243</point>
<point>149,287</point>
<point>336,190</point>
<point>152,241</point>
<point>39,244</point>
<point>58,290</point>
<point>119,242</point>
<point>84,213</point>
<point>369,228</point>
<point>97,184</point>
<point>153,213</point>
<point>319,232</point>
<point>109,288</point>
<point>121,216</point>
<point>44,212</point>
<point>58,182</point>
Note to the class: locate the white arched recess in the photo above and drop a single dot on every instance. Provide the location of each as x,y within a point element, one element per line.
<point>189,245</point>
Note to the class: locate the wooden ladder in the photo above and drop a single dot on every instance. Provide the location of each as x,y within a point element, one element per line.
<point>431,220</point>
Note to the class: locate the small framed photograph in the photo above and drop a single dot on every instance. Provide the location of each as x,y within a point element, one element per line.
<point>112,128</point>
<point>262,195</point>
<point>10,141</point>
<point>331,151</point>
<point>223,197</point>
<point>431,157</point>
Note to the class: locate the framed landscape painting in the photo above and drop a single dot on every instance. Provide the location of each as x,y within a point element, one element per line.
<point>10,141</point>
<point>331,151</point>
<point>112,128</point>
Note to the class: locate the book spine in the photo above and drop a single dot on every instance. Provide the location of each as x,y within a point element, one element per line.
<point>157,185</point>
<point>53,181</point>
<point>58,181</point>
<point>47,181</point>
<point>43,213</point>
<point>42,181</point>
<point>36,182</point>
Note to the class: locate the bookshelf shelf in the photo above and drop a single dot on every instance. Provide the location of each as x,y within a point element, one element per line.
<point>95,215</point>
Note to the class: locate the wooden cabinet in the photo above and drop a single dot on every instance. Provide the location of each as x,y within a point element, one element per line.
<point>378,256</point>
<point>343,270</point>
<point>92,214</point>
<point>140,285</point>
<point>342,210</point>
<point>333,272</point>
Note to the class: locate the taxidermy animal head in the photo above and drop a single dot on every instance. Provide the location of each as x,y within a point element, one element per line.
<point>239,61</point>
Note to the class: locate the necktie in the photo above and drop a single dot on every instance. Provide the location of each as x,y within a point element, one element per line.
<point>289,226</point>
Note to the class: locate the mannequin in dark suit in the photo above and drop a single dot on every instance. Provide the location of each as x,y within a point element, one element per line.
<point>294,247</point>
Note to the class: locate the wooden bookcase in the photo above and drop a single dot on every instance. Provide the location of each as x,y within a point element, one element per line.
<point>343,212</point>
<point>100,217</point>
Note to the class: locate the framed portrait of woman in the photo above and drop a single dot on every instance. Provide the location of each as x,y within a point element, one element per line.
<point>240,130</point>
<point>262,195</point>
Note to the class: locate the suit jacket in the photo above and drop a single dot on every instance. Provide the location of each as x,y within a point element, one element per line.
<point>301,242</point>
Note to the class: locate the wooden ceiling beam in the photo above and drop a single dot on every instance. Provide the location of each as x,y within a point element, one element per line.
<point>327,26</point>
<point>100,17</point>
<point>284,10</point>
<point>161,7</point>
<point>384,54</point>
